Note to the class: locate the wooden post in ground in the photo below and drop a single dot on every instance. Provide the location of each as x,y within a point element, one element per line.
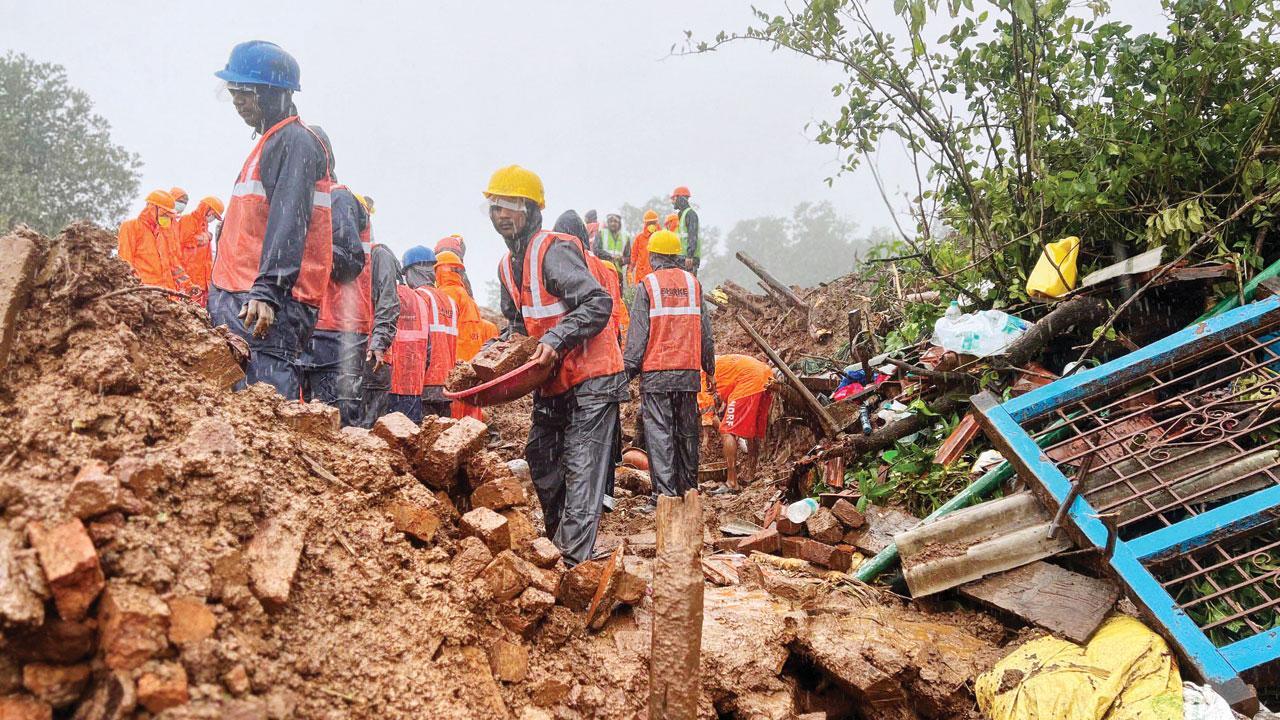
<point>676,638</point>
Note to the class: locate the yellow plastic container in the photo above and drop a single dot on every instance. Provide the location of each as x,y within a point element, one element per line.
<point>1055,272</point>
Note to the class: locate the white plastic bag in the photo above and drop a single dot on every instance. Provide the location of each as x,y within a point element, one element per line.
<point>983,333</point>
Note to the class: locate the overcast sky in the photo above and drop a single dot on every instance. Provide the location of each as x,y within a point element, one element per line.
<point>424,100</point>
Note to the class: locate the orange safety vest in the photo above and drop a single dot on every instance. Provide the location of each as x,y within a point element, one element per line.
<point>244,229</point>
<point>675,321</point>
<point>408,352</point>
<point>598,356</point>
<point>348,306</point>
<point>443,329</point>
<point>195,245</point>
<point>620,319</point>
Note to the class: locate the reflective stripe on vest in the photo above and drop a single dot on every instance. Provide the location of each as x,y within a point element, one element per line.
<point>348,307</point>
<point>444,337</point>
<point>675,322</point>
<point>612,242</point>
<point>408,352</point>
<point>597,356</point>
<point>244,228</point>
<point>656,306</point>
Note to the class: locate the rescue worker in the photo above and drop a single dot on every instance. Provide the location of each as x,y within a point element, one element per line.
<point>455,244</point>
<point>687,229</point>
<point>610,243</point>
<point>570,224</point>
<point>333,366</point>
<point>384,271</point>
<point>591,220</point>
<point>671,222</point>
<point>180,199</point>
<point>411,347</point>
<point>549,293</point>
<point>275,247</point>
<point>744,383</point>
<point>195,242</point>
<point>640,247</point>
<point>669,342</point>
<point>442,331</point>
<point>148,244</point>
<point>449,269</point>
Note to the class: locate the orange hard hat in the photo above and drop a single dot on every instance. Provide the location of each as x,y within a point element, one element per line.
<point>162,200</point>
<point>650,216</point>
<point>681,191</point>
<point>448,257</point>
<point>672,221</point>
<point>213,204</point>
<point>178,194</point>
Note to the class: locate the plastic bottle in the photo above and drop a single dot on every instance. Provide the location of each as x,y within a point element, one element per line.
<point>799,511</point>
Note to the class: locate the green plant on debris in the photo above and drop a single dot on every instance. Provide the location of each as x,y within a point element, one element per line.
<point>905,475</point>
<point>1030,121</point>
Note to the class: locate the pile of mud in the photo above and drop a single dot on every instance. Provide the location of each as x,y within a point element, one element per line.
<point>170,547</point>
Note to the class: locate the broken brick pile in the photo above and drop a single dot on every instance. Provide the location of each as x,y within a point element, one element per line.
<point>827,538</point>
<point>491,363</point>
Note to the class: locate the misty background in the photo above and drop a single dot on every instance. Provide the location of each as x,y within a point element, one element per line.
<point>424,101</point>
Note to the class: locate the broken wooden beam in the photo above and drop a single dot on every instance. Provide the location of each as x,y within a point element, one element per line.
<point>772,282</point>
<point>1080,310</point>
<point>774,297</point>
<point>740,297</point>
<point>676,636</point>
<point>1063,602</point>
<point>825,421</point>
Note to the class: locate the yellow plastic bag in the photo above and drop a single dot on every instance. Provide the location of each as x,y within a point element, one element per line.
<point>1055,272</point>
<point>1126,672</point>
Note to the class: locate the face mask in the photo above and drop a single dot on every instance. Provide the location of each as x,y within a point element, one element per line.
<point>179,206</point>
<point>163,221</point>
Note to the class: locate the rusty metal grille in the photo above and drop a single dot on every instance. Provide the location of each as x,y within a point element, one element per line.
<point>1178,438</point>
<point>1231,587</point>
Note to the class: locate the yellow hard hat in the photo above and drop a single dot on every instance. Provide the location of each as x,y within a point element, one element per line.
<point>448,257</point>
<point>664,242</point>
<point>515,181</point>
<point>364,203</point>
<point>162,200</point>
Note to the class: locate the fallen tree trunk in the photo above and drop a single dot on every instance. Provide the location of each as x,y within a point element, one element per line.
<point>1076,311</point>
<point>740,297</point>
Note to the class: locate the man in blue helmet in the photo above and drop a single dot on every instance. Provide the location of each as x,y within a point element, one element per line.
<point>275,248</point>
<point>442,329</point>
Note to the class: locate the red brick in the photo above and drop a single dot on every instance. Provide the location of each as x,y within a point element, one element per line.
<point>824,527</point>
<point>397,430</point>
<point>522,616</point>
<point>70,565</point>
<point>420,521</point>
<point>143,476</point>
<point>272,557</point>
<point>519,527</point>
<point>95,492</point>
<point>314,418</point>
<point>490,527</point>
<point>767,541</point>
<point>470,558</point>
<point>786,527</point>
<point>508,575</point>
<point>510,661</point>
<point>24,707</point>
<point>725,544</point>
<point>543,553</point>
<point>190,621</point>
<point>500,494</point>
<point>848,514</point>
<point>58,685</point>
<point>438,466</point>
<point>578,586</point>
<point>134,624</point>
<point>793,546</point>
<point>828,556</point>
<point>163,686</point>
<point>502,357</point>
<point>20,603</point>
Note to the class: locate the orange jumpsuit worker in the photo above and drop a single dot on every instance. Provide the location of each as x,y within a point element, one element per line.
<point>195,241</point>
<point>744,383</point>
<point>148,243</point>
<point>640,248</point>
<point>180,199</point>
<point>669,343</point>
<point>470,328</point>
<point>458,246</point>
<point>671,222</point>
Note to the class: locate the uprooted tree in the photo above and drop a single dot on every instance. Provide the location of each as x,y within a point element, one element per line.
<point>57,161</point>
<point>1029,121</point>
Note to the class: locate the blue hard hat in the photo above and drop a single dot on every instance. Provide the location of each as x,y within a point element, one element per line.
<point>418,254</point>
<point>259,62</point>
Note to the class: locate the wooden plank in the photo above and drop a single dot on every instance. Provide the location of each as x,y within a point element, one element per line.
<point>676,637</point>
<point>773,282</point>
<point>740,297</point>
<point>825,420</point>
<point>1063,602</point>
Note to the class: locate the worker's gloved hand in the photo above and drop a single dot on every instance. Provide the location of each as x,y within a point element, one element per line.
<point>379,358</point>
<point>545,356</point>
<point>258,316</point>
